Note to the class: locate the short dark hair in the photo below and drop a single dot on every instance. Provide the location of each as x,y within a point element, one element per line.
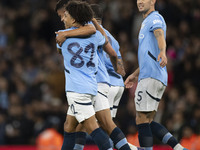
<point>98,12</point>
<point>60,4</point>
<point>80,11</point>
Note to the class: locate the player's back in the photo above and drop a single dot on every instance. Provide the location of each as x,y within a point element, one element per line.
<point>81,63</point>
<point>115,78</point>
<point>102,74</point>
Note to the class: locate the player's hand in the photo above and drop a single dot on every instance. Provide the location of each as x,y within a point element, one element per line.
<point>129,82</point>
<point>163,58</point>
<point>60,38</point>
<point>121,71</point>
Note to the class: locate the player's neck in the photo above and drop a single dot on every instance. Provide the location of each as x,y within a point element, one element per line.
<point>77,25</point>
<point>148,12</point>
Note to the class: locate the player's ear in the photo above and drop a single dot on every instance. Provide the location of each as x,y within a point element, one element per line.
<point>153,2</point>
<point>74,21</point>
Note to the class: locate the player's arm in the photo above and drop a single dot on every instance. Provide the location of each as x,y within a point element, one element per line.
<point>84,31</point>
<point>117,64</point>
<point>159,34</point>
<point>121,65</point>
<point>131,79</point>
<point>100,29</point>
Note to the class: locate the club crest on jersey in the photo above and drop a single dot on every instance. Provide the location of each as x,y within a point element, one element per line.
<point>141,36</point>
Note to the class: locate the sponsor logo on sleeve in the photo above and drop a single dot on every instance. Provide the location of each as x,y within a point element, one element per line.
<point>157,21</point>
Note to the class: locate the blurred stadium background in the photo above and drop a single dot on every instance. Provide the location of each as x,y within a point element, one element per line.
<point>32,97</point>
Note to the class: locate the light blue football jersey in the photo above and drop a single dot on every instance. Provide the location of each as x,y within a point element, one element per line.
<point>148,50</point>
<point>102,74</point>
<point>81,63</point>
<point>115,78</point>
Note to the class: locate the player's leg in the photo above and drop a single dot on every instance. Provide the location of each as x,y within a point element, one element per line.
<point>105,121</point>
<point>146,103</point>
<point>69,132</point>
<point>69,127</point>
<point>164,135</point>
<point>104,118</point>
<point>80,140</point>
<point>148,94</point>
<point>144,131</point>
<point>157,129</point>
<point>97,134</point>
<point>114,97</point>
<point>82,108</point>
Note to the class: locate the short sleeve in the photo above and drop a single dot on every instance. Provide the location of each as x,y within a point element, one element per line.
<point>58,46</point>
<point>116,47</point>
<point>117,50</point>
<point>90,22</point>
<point>156,23</point>
<point>101,39</point>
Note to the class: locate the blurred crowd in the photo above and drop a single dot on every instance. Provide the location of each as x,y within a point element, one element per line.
<point>32,95</point>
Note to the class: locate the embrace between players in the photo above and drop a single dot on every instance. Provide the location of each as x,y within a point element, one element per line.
<point>93,77</point>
